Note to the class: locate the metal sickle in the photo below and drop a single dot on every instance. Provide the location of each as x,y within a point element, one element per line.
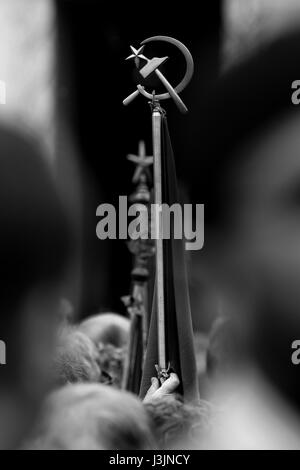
<point>172,92</point>
<point>189,65</point>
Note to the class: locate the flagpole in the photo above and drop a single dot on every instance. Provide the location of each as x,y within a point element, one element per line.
<point>152,66</point>
<point>160,297</point>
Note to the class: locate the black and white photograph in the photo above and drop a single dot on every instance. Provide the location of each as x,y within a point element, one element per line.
<point>149,228</point>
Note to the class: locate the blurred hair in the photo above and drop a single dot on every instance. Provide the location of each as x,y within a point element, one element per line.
<point>176,422</point>
<point>93,417</point>
<point>110,333</point>
<point>76,358</point>
<point>111,360</point>
<point>107,328</point>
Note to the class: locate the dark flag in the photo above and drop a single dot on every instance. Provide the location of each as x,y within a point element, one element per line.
<point>178,322</point>
<point>135,356</point>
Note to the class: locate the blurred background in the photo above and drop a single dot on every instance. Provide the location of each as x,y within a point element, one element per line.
<point>69,86</point>
<point>93,81</point>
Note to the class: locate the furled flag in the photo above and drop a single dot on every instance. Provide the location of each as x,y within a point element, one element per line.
<point>178,321</point>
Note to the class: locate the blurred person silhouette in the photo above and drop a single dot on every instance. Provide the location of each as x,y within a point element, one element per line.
<point>93,417</point>
<point>97,417</point>
<point>248,176</point>
<point>35,247</point>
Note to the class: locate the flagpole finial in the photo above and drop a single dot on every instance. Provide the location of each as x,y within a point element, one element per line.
<point>142,162</point>
<point>137,55</point>
<point>152,66</point>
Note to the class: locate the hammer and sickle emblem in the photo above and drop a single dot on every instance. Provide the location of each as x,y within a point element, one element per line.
<point>153,65</point>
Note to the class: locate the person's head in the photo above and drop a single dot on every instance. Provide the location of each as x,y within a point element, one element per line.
<point>111,361</point>
<point>93,417</point>
<point>110,333</point>
<point>76,358</point>
<point>35,244</point>
<point>249,180</point>
<point>107,328</point>
<point>176,423</point>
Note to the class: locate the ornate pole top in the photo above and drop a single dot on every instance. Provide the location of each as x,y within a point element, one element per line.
<point>142,162</point>
<point>152,66</point>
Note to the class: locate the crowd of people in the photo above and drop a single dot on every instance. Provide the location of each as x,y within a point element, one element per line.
<point>62,385</point>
